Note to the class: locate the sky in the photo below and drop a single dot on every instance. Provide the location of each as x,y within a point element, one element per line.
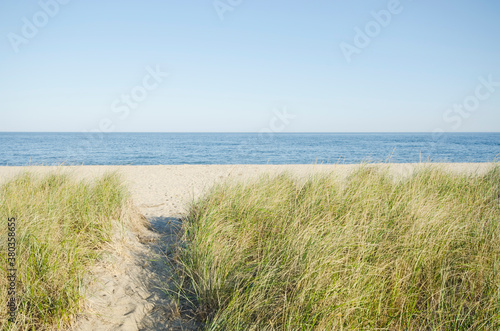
<point>248,66</point>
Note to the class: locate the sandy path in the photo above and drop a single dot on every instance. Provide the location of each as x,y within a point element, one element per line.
<point>127,295</point>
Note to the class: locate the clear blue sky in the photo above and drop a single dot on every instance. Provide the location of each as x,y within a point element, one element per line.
<point>232,68</point>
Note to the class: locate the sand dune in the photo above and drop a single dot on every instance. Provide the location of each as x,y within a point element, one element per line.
<point>127,295</point>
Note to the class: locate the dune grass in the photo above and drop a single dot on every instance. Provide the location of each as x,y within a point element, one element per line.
<point>367,252</point>
<point>61,228</point>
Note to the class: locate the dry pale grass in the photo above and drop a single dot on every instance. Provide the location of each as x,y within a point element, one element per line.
<point>369,252</point>
<point>62,227</point>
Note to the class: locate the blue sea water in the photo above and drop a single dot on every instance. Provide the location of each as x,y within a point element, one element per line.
<point>243,148</point>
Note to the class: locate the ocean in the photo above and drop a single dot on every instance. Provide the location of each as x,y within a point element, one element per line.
<point>19,149</point>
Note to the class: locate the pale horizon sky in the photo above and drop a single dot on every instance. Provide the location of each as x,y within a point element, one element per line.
<point>248,66</point>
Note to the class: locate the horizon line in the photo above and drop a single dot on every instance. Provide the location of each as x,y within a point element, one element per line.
<point>252,132</point>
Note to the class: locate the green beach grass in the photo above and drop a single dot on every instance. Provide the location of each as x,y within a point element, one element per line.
<point>62,226</point>
<point>367,252</point>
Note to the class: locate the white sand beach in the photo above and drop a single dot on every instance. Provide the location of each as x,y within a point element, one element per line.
<point>127,295</point>
<point>164,190</point>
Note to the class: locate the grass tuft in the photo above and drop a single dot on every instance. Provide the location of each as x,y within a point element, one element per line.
<point>61,229</point>
<point>366,252</point>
